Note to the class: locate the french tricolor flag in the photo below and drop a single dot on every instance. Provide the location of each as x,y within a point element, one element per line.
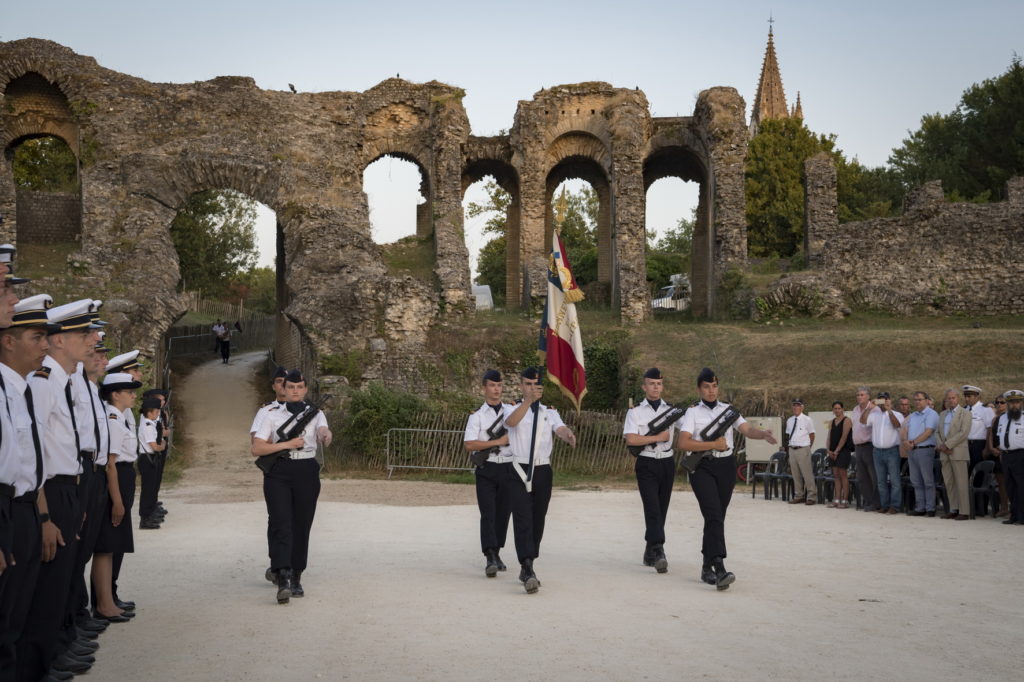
<point>561,347</point>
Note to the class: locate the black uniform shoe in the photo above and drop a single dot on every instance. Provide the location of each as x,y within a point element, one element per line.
<point>67,663</point>
<point>149,523</point>
<point>87,644</point>
<point>92,624</point>
<point>660,562</point>
<point>58,676</point>
<point>707,574</point>
<point>160,508</point>
<point>723,578</point>
<point>81,650</point>
<point>650,558</point>
<point>124,618</point>
<point>501,564</point>
<point>297,590</point>
<point>284,587</point>
<point>528,578</point>
<point>491,569</point>
<point>88,634</point>
<point>124,605</point>
<point>269,575</point>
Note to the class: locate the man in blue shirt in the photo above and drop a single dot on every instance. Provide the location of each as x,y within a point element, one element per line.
<point>919,444</point>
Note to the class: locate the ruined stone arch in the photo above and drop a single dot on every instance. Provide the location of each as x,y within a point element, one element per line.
<point>579,144</point>
<point>424,211</point>
<point>505,174</point>
<point>33,107</point>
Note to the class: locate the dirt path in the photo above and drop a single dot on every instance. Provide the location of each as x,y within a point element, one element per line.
<point>395,587</point>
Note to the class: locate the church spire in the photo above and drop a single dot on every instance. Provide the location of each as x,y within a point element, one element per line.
<point>770,100</point>
<point>798,110</point>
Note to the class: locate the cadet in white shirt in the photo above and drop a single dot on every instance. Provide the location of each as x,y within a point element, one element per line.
<point>800,434</point>
<point>715,476</point>
<point>982,417</point>
<point>277,385</point>
<point>655,464</point>
<point>885,425</point>
<point>531,431</point>
<point>498,490</point>
<point>1009,438</point>
<point>291,486</point>
<point>149,450</point>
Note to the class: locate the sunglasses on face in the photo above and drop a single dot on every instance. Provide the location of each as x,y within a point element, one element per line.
<point>1000,402</point>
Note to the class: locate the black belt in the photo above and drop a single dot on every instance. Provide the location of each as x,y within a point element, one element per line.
<point>63,479</point>
<point>125,464</point>
<point>1015,451</point>
<point>30,497</point>
<point>6,490</point>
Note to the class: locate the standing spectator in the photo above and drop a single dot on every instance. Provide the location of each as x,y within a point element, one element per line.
<point>867,480</point>
<point>1010,436</point>
<point>981,419</point>
<point>920,445</point>
<point>225,343</point>
<point>903,406</point>
<point>885,425</point>
<point>954,426</point>
<point>800,435</point>
<point>840,450</point>
<point>999,407</point>
<point>217,329</point>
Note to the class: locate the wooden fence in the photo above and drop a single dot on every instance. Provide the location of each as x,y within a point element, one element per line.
<point>229,312</point>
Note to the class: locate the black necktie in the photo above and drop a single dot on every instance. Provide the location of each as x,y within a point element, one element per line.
<point>95,419</point>
<point>74,424</point>
<point>35,437</point>
<point>1006,434</point>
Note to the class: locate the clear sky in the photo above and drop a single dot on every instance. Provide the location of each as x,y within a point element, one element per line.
<point>866,71</point>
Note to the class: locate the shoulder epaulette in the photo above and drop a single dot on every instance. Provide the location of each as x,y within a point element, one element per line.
<point>43,372</point>
<point>113,416</point>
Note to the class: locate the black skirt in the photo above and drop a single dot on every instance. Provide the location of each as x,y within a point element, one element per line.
<point>119,538</point>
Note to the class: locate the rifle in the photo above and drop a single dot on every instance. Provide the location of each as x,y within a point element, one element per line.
<point>718,427</point>
<point>658,425</point>
<point>494,432</point>
<point>292,428</point>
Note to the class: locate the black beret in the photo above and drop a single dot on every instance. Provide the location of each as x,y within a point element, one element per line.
<point>280,373</point>
<point>295,377</point>
<point>706,375</point>
<point>652,373</point>
<point>530,373</point>
<point>150,404</point>
<point>492,375</point>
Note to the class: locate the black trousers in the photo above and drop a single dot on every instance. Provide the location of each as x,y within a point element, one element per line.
<point>539,500</point>
<point>975,448</point>
<point>149,472</point>
<point>98,499</point>
<point>867,479</point>
<point>291,490</point>
<point>712,484</point>
<point>1013,467</point>
<point>16,598</point>
<point>493,481</point>
<point>654,479</point>
<point>38,645</point>
<point>161,460</point>
<point>225,350</point>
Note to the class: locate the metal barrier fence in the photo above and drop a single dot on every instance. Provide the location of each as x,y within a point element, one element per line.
<point>424,449</point>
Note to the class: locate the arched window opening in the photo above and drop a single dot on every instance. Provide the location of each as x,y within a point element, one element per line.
<point>671,212</point>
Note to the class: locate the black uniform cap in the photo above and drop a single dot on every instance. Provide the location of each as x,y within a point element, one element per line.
<point>150,403</point>
<point>280,373</point>
<point>492,375</point>
<point>530,373</point>
<point>707,375</point>
<point>652,373</point>
<point>295,377</point>
<point>154,392</point>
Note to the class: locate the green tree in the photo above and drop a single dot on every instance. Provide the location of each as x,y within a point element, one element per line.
<point>495,208</point>
<point>257,289</point>
<point>579,231</point>
<point>215,237</point>
<point>490,266</point>
<point>975,148</point>
<point>45,164</point>
<point>866,193</point>
<point>670,254</point>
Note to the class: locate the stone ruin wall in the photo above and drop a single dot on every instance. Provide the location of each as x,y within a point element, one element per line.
<point>144,148</point>
<point>937,257</point>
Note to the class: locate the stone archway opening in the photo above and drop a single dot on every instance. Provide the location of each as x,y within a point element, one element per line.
<point>579,199</point>
<point>491,219</point>
<point>670,214</point>
<point>676,182</point>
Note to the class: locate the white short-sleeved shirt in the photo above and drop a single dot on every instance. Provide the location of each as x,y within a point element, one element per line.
<point>637,420</point>
<point>53,419</point>
<point>17,451</point>
<point>799,430</point>
<point>123,439</point>
<point>262,413</point>
<point>981,418</point>
<point>481,420</point>
<point>1016,433</point>
<point>700,415</point>
<point>84,416</point>
<point>147,435</point>
<point>276,416</point>
<point>883,434</point>
<point>519,436</point>
<point>100,411</point>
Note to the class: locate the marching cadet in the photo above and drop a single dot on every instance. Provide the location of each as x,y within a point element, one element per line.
<point>531,431</point>
<point>291,486</point>
<point>1009,438</point>
<point>118,393</point>
<point>149,449</point>
<point>277,385</point>
<point>496,483</point>
<point>55,413</point>
<point>655,465</point>
<point>715,476</point>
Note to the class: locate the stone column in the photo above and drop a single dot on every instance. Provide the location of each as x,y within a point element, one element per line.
<point>532,250</point>
<point>629,285</point>
<point>8,204</point>
<point>452,257</point>
<point>821,206</point>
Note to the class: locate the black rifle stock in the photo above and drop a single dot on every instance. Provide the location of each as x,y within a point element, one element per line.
<point>718,427</point>
<point>494,432</point>
<point>658,425</point>
<point>292,428</point>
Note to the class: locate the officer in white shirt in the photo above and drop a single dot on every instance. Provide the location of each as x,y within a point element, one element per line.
<point>531,431</point>
<point>1009,438</point>
<point>800,434</point>
<point>715,476</point>
<point>498,489</point>
<point>292,485</point>
<point>655,466</point>
<point>982,417</point>
<point>885,425</point>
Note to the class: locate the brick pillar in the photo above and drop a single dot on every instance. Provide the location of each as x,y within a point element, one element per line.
<point>821,205</point>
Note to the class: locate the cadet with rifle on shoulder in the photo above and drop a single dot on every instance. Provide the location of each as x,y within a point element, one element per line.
<point>285,447</point>
<point>650,430</point>
<point>706,432</point>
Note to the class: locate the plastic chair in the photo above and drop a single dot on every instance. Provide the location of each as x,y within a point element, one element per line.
<point>773,476</point>
<point>940,486</point>
<point>851,475</point>
<point>983,484</point>
<point>824,481</point>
